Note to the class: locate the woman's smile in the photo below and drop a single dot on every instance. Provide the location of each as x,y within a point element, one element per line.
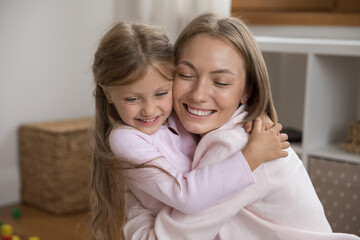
<point>199,112</point>
<point>206,95</point>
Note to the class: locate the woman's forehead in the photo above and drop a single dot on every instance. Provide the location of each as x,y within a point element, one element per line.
<point>207,51</point>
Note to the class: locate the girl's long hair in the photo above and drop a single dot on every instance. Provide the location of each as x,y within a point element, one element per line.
<point>235,32</point>
<point>123,56</point>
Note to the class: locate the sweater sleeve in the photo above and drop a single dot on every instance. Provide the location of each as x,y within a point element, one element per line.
<point>197,189</point>
<point>140,221</point>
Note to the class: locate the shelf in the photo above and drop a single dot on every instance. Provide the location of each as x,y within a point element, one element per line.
<point>335,152</point>
<point>306,45</point>
<point>315,85</point>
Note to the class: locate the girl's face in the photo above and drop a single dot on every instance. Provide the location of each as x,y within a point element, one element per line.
<point>209,84</point>
<point>144,104</point>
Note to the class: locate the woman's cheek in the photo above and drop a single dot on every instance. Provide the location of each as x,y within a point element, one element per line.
<point>180,88</point>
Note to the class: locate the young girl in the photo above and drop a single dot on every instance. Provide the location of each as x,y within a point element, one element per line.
<point>133,70</point>
<point>282,204</point>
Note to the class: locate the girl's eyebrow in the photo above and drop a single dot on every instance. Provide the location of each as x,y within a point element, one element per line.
<point>218,71</point>
<point>165,86</point>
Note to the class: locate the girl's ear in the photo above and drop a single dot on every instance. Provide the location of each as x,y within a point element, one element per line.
<point>108,96</point>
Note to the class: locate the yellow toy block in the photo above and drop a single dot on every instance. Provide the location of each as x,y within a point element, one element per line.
<point>6,230</point>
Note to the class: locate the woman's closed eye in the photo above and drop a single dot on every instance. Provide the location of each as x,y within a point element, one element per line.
<point>185,75</point>
<point>221,83</point>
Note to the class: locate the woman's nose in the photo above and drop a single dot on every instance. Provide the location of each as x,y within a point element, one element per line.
<point>200,91</point>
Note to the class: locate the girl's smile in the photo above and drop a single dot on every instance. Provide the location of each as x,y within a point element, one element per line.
<point>144,104</point>
<point>148,121</point>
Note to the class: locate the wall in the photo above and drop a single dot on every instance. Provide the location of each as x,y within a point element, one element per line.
<point>46,53</point>
<point>172,16</point>
<point>45,69</point>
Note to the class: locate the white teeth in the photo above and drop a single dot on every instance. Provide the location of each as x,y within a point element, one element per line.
<point>199,112</point>
<point>148,120</point>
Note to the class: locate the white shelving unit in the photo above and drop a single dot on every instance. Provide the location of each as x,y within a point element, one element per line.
<point>316,89</point>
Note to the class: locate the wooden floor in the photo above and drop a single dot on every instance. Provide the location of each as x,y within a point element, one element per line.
<point>35,222</point>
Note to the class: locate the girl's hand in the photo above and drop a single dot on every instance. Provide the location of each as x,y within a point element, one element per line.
<point>265,119</point>
<point>265,145</point>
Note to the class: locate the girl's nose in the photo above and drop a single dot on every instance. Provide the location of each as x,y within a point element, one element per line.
<point>148,109</point>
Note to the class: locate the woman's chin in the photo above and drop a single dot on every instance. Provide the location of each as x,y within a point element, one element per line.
<point>196,128</point>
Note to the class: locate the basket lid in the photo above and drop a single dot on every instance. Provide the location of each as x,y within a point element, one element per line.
<point>61,126</point>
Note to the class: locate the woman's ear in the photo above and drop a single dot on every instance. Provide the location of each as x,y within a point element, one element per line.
<point>246,94</point>
<point>244,98</point>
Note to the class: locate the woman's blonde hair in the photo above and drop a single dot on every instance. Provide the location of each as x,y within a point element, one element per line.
<point>123,56</point>
<point>234,31</point>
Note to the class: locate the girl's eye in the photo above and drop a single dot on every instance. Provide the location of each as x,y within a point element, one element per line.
<point>159,94</point>
<point>132,99</point>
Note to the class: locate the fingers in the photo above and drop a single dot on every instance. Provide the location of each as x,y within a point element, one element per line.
<point>277,127</point>
<point>283,137</point>
<point>248,126</point>
<point>263,127</point>
<point>266,121</point>
<point>285,145</point>
<point>258,125</point>
<point>283,154</point>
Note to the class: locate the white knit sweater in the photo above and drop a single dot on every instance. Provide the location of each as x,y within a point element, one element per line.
<point>282,204</point>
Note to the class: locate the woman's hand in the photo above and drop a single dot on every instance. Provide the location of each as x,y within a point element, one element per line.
<point>265,120</point>
<point>265,145</point>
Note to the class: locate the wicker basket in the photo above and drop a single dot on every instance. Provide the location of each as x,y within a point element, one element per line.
<point>353,141</point>
<point>55,165</point>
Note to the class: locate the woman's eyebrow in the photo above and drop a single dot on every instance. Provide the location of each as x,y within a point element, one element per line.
<point>187,64</point>
<point>219,71</point>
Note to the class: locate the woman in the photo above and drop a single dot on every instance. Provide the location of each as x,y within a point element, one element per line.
<point>220,67</point>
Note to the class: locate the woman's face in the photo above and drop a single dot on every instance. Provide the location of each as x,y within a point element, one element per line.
<point>209,84</point>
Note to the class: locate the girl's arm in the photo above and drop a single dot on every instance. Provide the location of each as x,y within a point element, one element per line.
<point>192,191</point>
